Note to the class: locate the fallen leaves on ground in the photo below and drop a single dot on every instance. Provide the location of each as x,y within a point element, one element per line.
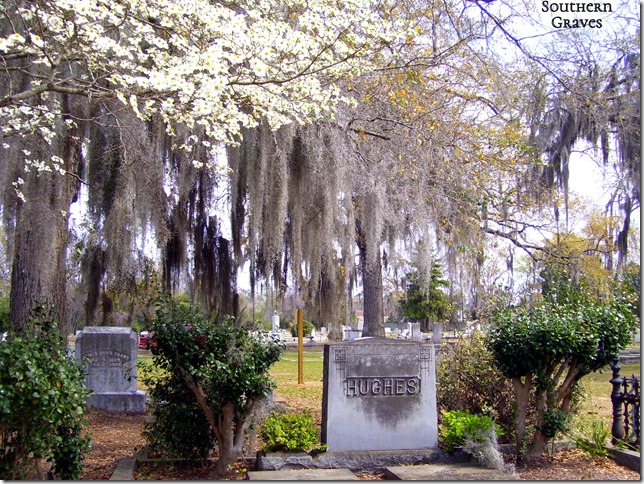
<point>575,465</point>
<point>117,436</point>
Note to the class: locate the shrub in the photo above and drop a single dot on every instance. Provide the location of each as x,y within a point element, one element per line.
<point>455,426</point>
<point>545,350</point>
<point>216,367</point>
<point>290,433</point>
<point>42,398</point>
<point>468,380</point>
<point>307,326</point>
<point>177,428</point>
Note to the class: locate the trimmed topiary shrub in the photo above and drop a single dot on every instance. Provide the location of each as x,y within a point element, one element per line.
<point>213,375</point>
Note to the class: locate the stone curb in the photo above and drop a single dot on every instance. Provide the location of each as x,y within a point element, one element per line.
<point>626,457</point>
<point>124,470</point>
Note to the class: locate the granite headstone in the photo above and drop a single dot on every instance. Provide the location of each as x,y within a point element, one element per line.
<point>379,394</point>
<point>109,356</point>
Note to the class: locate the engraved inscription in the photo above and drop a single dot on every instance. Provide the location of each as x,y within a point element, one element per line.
<point>377,386</point>
<point>108,358</point>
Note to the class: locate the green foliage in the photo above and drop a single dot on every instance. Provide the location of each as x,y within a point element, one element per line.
<point>524,340</point>
<point>42,397</point>
<point>178,427</point>
<point>290,432</point>
<point>456,427</point>
<point>307,326</point>
<point>548,348</point>
<point>210,373</point>
<point>468,380</point>
<point>629,286</point>
<point>4,313</point>
<point>553,421</point>
<point>595,444</point>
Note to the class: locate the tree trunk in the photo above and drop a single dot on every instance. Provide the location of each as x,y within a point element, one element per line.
<point>374,324</point>
<point>39,266</point>
<point>371,269</point>
<point>39,271</point>
<point>522,392</point>
<point>232,434</point>
<point>538,446</point>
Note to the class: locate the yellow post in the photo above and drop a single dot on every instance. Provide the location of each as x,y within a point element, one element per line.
<point>300,346</point>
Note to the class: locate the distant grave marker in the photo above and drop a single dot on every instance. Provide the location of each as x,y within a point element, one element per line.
<point>111,370</point>
<point>379,394</point>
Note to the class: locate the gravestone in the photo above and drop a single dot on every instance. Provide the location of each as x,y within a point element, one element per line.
<point>414,331</point>
<point>275,321</point>
<point>379,394</point>
<point>438,333</point>
<point>111,369</point>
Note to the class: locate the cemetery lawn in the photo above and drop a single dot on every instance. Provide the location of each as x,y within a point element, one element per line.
<point>119,436</point>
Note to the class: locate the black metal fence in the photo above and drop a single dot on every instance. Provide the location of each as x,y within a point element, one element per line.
<point>626,408</point>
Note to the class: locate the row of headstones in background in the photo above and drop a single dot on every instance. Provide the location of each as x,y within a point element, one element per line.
<point>413,331</point>
<point>111,369</point>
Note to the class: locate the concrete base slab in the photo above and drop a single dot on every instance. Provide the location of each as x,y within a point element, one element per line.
<point>303,475</point>
<point>128,402</point>
<point>445,472</point>
<point>355,460</point>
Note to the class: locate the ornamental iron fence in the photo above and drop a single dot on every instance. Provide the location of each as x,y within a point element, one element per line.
<point>626,408</point>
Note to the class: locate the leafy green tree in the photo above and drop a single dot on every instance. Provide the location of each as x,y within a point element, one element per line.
<point>224,368</point>
<point>548,348</point>
<point>42,401</point>
<point>426,302</point>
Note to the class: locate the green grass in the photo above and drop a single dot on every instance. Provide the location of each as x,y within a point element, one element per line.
<point>596,405</point>
<point>306,396</point>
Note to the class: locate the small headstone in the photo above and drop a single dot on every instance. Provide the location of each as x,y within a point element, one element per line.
<point>414,332</point>
<point>379,394</point>
<point>111,370</point>
<point>438,333</point>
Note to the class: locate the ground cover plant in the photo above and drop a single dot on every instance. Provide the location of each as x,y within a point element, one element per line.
<point>290,432</point>
<point>457,426</point>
